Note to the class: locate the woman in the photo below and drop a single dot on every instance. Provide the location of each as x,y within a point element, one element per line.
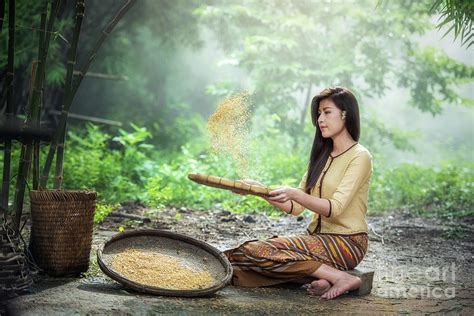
<point>335,189</point>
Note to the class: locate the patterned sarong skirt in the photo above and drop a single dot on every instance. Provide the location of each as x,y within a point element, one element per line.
<point>285,259</point>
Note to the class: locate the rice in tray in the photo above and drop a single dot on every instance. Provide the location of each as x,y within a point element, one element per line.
<point>159,270</point>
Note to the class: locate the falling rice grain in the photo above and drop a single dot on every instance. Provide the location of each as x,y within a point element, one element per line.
<point>228,129</point>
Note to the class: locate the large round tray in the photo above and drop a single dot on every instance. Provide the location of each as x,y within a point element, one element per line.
<point>167,243</point>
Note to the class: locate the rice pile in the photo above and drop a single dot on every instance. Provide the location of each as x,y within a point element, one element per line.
<point>228,130</point>
<point>155,269</point>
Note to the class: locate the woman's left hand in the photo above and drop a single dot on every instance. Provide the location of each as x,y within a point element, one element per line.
<point>283,194</point>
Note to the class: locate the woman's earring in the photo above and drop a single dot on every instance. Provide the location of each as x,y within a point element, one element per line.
<point>343,115</point>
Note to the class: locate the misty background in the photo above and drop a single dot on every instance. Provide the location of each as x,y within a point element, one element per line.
<point>185,76</point>
<point>168,64</point>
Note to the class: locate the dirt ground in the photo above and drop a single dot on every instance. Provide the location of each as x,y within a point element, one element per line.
<point>422,265</point>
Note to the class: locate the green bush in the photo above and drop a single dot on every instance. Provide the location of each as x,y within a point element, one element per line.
<point>102,210</point>
<point>116,167</point>
<point>126,167</point>
<point>439,191</point>
<point>171,187</point>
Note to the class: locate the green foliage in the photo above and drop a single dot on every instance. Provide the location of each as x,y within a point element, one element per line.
<point>440,75</point>
<point>290,47</point>
<point>27,22</point>
<point>117,173</point>
<point>376,133</point>
<point>459,14</point>
<point>155,94</point>
<point>432,191</point>
<point>126,167</point>
<point>283,49</point>
<point>176,126</point>
<point>102,210</point>
<point>171,187</point>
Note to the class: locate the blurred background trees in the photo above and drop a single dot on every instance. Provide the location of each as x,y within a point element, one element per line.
<point>169,63</point>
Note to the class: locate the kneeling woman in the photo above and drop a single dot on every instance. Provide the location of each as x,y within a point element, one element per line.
<point>335,189</point>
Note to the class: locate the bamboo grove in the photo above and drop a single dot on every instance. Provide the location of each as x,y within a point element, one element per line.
<point>30,148</point>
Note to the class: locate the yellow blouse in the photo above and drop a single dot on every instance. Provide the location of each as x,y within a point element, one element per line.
<point>344,181</point>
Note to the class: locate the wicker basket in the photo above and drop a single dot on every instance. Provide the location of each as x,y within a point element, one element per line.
<point>61,230</point>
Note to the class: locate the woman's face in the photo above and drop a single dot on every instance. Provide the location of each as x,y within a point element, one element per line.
<point>330,120</point>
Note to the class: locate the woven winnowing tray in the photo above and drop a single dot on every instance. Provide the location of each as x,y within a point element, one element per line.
<point>237,186</point>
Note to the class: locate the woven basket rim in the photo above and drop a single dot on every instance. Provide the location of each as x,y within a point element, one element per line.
<point>62,195</point>
<point>162,291</point>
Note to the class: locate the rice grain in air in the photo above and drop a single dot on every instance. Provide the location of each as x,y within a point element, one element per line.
<point>159,270</point>
<point>228,130</point>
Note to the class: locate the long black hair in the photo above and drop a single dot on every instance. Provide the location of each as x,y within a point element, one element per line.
<point>345,100</point>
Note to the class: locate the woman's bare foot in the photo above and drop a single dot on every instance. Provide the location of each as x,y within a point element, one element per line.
<point>346,283</point>
<point>318,287</point>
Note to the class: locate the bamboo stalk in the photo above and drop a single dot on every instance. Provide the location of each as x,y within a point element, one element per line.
<point>36,162</point>
<point>64,114</point>
<point>21,181</point>
<point>10,105</point>
<point>2,14</point>
<point>105,33</point>
<point>36,151</point>
<point>7,87</point>
<point>101,76</point>
<point>80,7</point>
<point>27,149</point>
<point>36,143</point>
<point>3,99</point>
<point>25,156</point>
<point>6,176</point>
<point>11,63</point>
<point>88,118</point>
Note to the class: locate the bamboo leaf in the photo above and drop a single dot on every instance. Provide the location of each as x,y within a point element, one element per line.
<point>435,5</point>
<point>56,74</point>
<point>448,31</point>
<point>445,21</point>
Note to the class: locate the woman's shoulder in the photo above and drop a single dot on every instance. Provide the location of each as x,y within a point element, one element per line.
<point>361,151</point>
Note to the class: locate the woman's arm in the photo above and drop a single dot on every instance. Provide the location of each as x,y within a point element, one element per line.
<point>286,207</point>
<point>285,195</point>
<point>357,173</point>
<point>283,199</point>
